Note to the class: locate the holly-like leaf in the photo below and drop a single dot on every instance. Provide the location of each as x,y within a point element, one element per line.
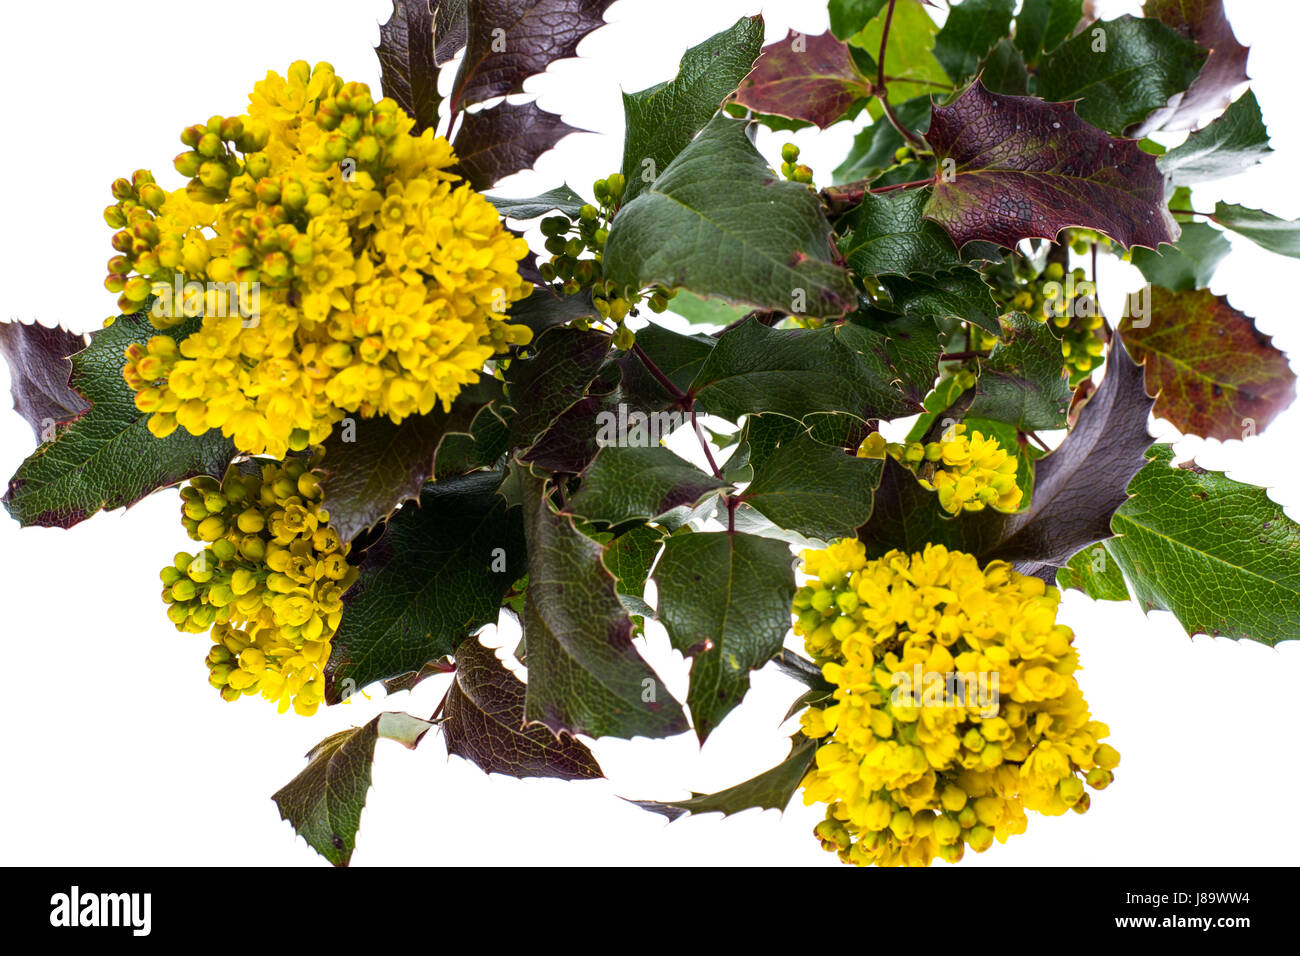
<point>482,446</point>
<point>108,458</point>
<point>972,29</point>
<point>623,484</point>
<point>1216,374</point>
<point>436,576</point>
<point>874,148</point>
<point>408,64</point>
<point>1121,72</point>
<point>1187,264</point>
<point>483,721</point>
<point>958,293</point>
<point>1042,25</point>
<point>806,78</point>
<point>630,556</point>
<point>1096,573</point>
<point>324,802</point>
<point>1022,168</point>
<point>818,490</point>
<point>770,790</point>
<point>1233,143</point>
<point>850,16</point>
<point>1022,382</point>
<point>565,361</point>
<point>889,234</point>
<point>1003,69</point>
<point>373,465</point>
<point>909,56</point>
<point>725,600</point>
<point>1218,553</point>
<point>584,675</point>
<point>450,28</point>
<point>560,199</point>
<point>545,308</point>
<point>663,119</point>
<point>38,373</point>
<point>1225,69</point>
<point>494,143</point>
<point>1276,235</point>
<point>719,223</point>
<point>510,40</point>
<point>798,372</point>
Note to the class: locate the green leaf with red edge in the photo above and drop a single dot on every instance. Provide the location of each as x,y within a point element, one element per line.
<point>1121,71</point>
<point>1015,167</point>
<point>39,371</point>
<point>324,802</point>
<point>1217,375</point>
<point>584,674</point>
<point>408,64</point>
<point>107,457</point>
<point>483,721</point>
<point>1204,22</point>
<point>770,790</point>
<point>495,143</point>
<point>805,78</point>
<point>510,40</point>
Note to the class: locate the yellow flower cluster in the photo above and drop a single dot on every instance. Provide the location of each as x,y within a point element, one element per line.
<point>969,472</point>
<point>955,706</point>
<point>336,263</point>
<point>269,583</point>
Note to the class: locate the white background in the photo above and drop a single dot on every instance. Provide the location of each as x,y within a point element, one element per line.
<point>117,751</point>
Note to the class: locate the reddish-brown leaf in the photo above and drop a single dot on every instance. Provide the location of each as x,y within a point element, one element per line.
<point>1015,167</point>
<point>1204,22</point>
<point>1218,375</point>
<point>39,371</point>
<point>805,78</point>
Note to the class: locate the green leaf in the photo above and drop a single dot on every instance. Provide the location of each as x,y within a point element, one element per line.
<point>1187,264</point>
<point>38,373</point>
<point>1003,70</point>
<point>324,802</point>
<point>483,721</point>
<point>850,16</point>
<point>719,223</point>
<point>797,372</point>
<point>630,556</point>
<point>1042,25</point>
<point>107,457</point>
<point>1094,572</point>
<point>818,490</point>
<point>626,483</point>
<point>663,119</point>
<point>1276,235</point>
<point>436,576</point>
<point>1014,167</point>
<point>770,790</point>
<point>560,199</point>
<point>1225,69</point>
<point>1023,381</point>
<point>957,294</point>
<point>874,148</point>
<point>701,311</point>
<point>909,60</point>
<point>1215,373</point>
<point>482,446</point>
<point>969,33</point>
<point>808,78</point>
<point>725,600</point>
<point>563,363</point>
<point>1218,553</point>
<point>584,675</point>
<point>373,465</point>
<point>1233,143</point>
<point>889,234</point>
<point>1142,66</point>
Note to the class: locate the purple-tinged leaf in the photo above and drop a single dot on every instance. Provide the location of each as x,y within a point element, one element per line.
<point>39,371</point>
<point>494,143</point>
<point>805,78</point>
<point>1205,22</point>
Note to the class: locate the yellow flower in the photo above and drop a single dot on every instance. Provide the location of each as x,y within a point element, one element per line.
<point>334,261</point>
<point>968,473</point>
<point>955,707</point>
<point>269,584</point>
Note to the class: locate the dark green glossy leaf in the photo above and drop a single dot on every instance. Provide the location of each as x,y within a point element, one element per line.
<point>972,29</point>
<point>626,483</point>
<point>1233,143</point>
<point>1276,235</point>
<point>1023,381</point>
<point>560,199</point>
<point>818,490</point>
